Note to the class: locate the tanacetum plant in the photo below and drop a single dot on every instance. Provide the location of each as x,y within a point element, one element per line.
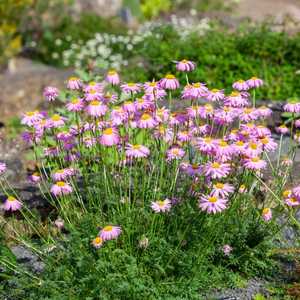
<point>145,196</point>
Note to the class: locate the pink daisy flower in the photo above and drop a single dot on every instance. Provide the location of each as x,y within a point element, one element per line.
<point>31,118</point>
<point>63,174</point>
<point>206,145</point>
<point>12,204</point>
<point>198,90</point>
<point>212,204</point>
<point>93,95</point>
<point>254,82</point>
<point>166,134</point>
<point>169,82</point>
<point>206,111</point>
<point>268,144</point>
<point>264,111</point>
<point>222,190</point>
<point>109,98</point>
<point>184,136</point>
<point>131,87</point>
<point>236,99</point>
<point>136,151</point>
<point>175,153</point>
<point>96,109</point>
<point>292,201</point>
<point>267,214</point>
<point>112,77</point>
<point>74,83</point>
<point>292,107</point>
<point>296,191</point>
<point>240,85</point>
<point>193,169</point>
<point>97,242</point>
<point>216,169</point>
<point>215,95</point>
<point>93,86</point>
<point>56,121</point>
<point>118,116</point>
<point>161,206</point>
<point>61,188</point>
<point>2,167</point>
<point>146,121</point>
<point>143,103</point>
<point>76,104</point>
<point>185,65</point>
<point>227,250</point>
<point>35,177</point>
<point>89,142</point>
<point>248,114</point>
<point>252,149</point>
<point>110,137</point>
<point>255,163</point>
<point>50,93</point>
<point>282,129</point>
<point>110,232</point>
<point>297,123</point>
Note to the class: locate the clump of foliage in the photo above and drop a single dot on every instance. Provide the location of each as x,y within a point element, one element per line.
<point>147,201</point>
<point>11,12</point>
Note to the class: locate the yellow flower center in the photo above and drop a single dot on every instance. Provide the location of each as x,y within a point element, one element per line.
<point>108,131</point>
<point>145,116</point>
<point>98,240</point>
<point>293,200</point>
<point>136,147</point>
<point>219,185</point>
<point>108,228</point>
<point>170,76</point>
<point>248,110</point>
<point>153,84</point>
<point>266,211</point>
<point>175,151</point>
<point>255,159</point>
<point>265,141</point>
<point>161,203</point>
<point>127,102</point>
<point>223,144</point>
<point>95,103</point>
<point>75,101</point>
<point>209,107</point>
<point>215,90</point>
<point>212,199</point>
<point>215,165</point>
<point>73,78</point>
<point>30,113</point>
<point>253,146</point>
<point>92,91</point>
<point>240,143</point>
<point>92,83</point>
<point>56,118</point>
<point>112,72</point>
<point>60,183</point>
<point>234,94</point>
<point>254,78</point>
<point>11,198</point>
<point>131,84</point>
<point>286,193</point>
<point>241,81</point>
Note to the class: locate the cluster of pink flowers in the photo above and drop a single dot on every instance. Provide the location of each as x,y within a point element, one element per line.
<point>210,143</point>
<point>107,233</point>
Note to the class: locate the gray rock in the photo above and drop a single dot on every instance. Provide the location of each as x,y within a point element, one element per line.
<point>254,287</point>
<point>22,86</point>
<point>27,258</point>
